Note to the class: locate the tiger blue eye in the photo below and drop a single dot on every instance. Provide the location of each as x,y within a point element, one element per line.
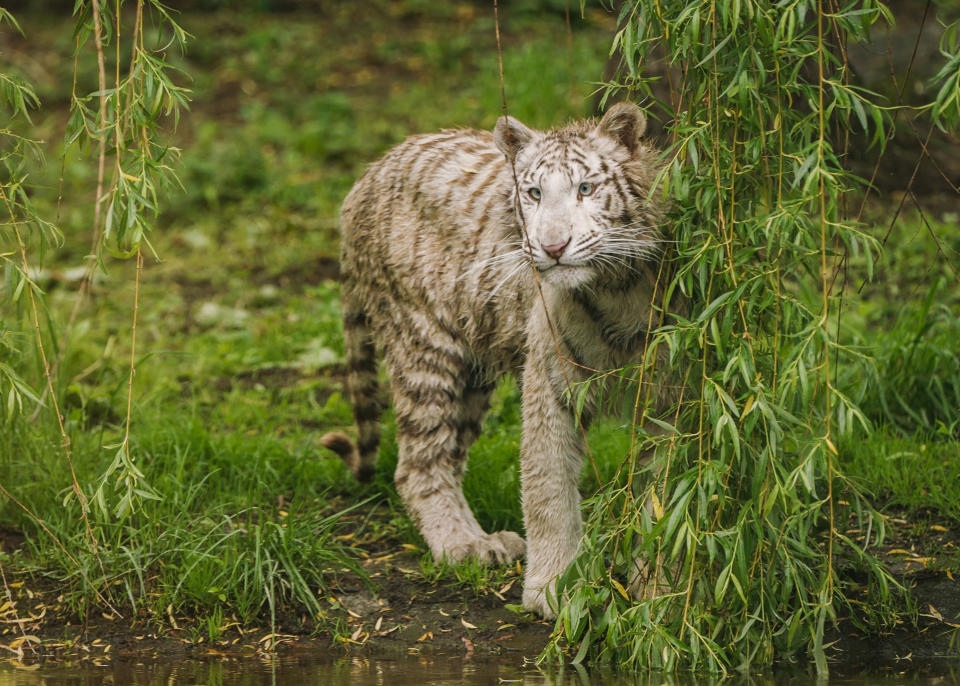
<point>535,193</point>
<point>585,188</point>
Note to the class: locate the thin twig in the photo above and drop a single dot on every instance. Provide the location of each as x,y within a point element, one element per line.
<point>933,235</point>
<point>133,352</point>
<point>831,534</point>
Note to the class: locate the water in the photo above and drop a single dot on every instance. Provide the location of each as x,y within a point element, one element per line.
<point>309,668</point>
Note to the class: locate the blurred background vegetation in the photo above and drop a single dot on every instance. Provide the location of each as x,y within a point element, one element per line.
<point>239,362</point>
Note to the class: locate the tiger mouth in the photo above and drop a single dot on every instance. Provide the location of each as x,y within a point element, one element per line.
<point>562,267</point>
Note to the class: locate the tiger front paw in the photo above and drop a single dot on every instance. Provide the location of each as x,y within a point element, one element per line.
<point>500,547</point>
<point>538,599</point>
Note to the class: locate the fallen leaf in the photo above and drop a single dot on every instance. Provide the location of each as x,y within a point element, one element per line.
<point>935,613</point>
<point>426,637</point>
<point>383,558</point>
<point>173,622</point>
<point>466,624</point>
<point>17,642</point>
<point>921,560</point>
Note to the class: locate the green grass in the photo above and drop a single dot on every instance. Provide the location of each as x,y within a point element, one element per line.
<point>240,521</point>
<point>908,319</point>
<point>916,474</point>
<point>480,578</point>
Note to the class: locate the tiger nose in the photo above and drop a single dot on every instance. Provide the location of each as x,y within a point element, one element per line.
<point>556,250</point>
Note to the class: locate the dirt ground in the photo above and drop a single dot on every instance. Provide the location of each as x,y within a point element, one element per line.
<point>397,609</point>
<point>922,556</point>
<point>400,610</point>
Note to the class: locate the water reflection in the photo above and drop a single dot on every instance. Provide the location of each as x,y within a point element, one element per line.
<point>414,670</point>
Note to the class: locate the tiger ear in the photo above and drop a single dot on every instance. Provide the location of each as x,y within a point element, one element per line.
<point>511,136</point>
<point>624,123</point>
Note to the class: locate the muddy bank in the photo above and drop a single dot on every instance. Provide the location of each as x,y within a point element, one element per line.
<point>922,555</point>
<point>396,609</point>
<point>403,604</point>
<point>400,611</point>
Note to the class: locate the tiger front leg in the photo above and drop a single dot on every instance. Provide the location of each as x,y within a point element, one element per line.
<point>551,455</point>
<point>429,478</point>
<point>439,412</point>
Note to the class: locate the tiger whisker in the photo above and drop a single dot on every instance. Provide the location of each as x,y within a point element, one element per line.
<point>509,275</point>
<point>498,259</point>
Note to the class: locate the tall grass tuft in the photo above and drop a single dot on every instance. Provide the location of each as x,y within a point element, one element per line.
<point>749,530</point>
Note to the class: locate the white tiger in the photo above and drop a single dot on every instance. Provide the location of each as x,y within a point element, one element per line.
<point>466,255</point>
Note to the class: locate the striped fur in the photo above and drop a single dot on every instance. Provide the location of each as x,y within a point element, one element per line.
<point>460,274</point>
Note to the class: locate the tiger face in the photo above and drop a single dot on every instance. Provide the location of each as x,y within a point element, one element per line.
<point>581,196</point>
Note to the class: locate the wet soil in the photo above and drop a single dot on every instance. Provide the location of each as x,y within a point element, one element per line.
<point>394,609</point>
<point>398,610</point>
<point>922,553</point>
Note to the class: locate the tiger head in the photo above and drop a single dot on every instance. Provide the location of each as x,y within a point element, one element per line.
<point>584,196</point>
